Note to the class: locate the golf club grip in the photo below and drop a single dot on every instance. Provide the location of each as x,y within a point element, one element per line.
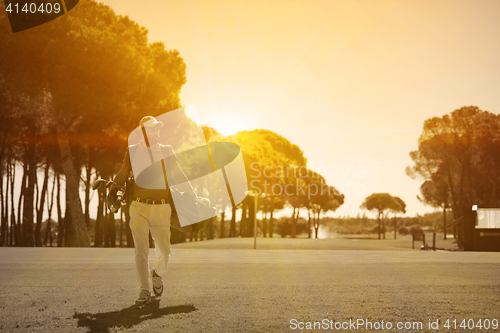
<point>96,184</point>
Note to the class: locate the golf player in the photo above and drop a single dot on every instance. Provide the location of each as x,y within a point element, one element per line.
<point>150,209</point>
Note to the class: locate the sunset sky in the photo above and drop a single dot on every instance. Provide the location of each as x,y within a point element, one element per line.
<point>349,82</point>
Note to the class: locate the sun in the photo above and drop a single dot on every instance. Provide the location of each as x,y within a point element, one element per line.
<point>226,123</point>
<point>225,129</point>
<point>229,126</point>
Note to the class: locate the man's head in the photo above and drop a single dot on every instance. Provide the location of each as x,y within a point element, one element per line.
<point>152,128</point>
<point>150,121</point>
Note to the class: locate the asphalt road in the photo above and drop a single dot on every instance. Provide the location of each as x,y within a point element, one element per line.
<point>224,290</point>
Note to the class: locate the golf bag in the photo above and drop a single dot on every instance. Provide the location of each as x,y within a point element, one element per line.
<point>190,208</point>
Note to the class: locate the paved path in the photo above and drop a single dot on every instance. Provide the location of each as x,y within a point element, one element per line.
<point>92,290</point>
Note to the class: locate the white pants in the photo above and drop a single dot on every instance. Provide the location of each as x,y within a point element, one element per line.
<point>154,218</point>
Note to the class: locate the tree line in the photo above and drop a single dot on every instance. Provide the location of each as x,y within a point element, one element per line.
<point>277,174</point>
<point>71,91</point>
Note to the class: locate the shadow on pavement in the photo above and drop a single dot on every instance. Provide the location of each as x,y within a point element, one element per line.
<point>128,317</point>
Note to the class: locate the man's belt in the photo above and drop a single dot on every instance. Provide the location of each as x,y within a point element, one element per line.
<point>151,201</point>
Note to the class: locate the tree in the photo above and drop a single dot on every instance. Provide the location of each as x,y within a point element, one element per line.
<point>296,192</point>
<point>380,203</point>
<point>286,169</point>
<point>270,163</point>
<point>461,149</point>
<point>316,185</point>
<point>435,193</point>
<point>327,199</point>
<point>399,207</point>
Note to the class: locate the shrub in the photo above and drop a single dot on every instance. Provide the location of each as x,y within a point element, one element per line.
<point>285,227</point>
<point>403,231</point>
<point>416,230</point>
<point>376,230</point>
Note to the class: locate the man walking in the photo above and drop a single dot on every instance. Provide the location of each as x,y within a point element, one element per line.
<point>151,208</point>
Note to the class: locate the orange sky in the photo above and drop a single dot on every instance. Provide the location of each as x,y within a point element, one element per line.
<point>350,82</point>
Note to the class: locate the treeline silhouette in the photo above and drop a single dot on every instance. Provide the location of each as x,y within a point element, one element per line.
<point>73,89</point>
<point>70,93</point>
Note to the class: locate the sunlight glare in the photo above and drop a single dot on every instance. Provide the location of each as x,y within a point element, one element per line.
<point>228,126</point>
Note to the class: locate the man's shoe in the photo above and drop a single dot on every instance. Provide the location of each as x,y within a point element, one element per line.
<point>144,298</point>
<point>157,283</point>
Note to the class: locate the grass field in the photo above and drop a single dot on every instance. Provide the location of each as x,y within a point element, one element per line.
<point>340,242</point>
<point>222,286</point>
